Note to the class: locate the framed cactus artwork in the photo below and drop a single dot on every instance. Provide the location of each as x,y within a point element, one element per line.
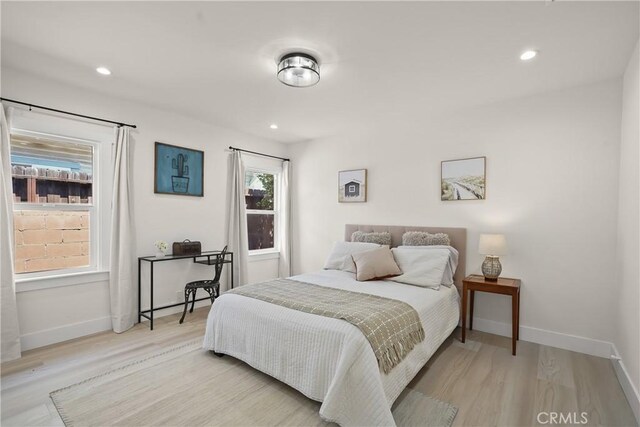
<point>179,170</point>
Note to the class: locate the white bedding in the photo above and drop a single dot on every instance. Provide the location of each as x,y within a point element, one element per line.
<point>330,360</point>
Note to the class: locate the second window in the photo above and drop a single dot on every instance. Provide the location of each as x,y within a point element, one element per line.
<point>261,204</point>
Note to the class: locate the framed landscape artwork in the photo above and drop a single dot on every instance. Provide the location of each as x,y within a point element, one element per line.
<point>179,170</point>
<point>463,179</point>
<point>352,186</point>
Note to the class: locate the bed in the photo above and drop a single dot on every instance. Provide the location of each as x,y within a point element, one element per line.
<point>329,360</point>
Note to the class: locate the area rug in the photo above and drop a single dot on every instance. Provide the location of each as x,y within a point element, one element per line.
<point>187,386</point>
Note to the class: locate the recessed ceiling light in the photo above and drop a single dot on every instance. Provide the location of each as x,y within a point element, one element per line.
<point>103,70</point>
<point>528,55</point>
<point>274,126</point>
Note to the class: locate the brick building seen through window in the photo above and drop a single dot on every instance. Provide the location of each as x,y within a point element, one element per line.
<point>53,203</point>
<point>51,240</point>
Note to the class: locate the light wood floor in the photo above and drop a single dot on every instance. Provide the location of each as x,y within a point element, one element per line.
<point>488,385</point>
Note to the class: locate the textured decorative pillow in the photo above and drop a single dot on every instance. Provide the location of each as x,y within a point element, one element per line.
<point>340,256</point>
<point>375,264</point>
<point>383,238</point>
<point>422,238</point>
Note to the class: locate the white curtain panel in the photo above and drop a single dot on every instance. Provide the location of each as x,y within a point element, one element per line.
<point>122,283</point>
<point>10,329</point>
<point>237,238</point>
<point>284,265</point>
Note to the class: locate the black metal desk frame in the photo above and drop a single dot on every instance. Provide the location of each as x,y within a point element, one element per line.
<point>206,258</point>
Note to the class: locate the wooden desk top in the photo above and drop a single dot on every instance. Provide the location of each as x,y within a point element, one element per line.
<point>502,281</point>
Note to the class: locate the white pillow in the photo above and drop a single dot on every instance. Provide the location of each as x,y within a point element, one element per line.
<point>340,256</point>
<point>425,268</point>
<point>452,265</point>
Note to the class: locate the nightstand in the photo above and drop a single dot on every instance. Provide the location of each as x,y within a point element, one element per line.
<point>503,286</point>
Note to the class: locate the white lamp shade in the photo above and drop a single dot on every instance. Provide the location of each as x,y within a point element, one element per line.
<point>492,244</point>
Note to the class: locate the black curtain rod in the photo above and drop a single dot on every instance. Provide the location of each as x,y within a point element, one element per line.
<point>66,112</point>
<point>258,154</point>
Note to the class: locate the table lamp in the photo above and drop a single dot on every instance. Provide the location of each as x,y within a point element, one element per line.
<point>492,245</point>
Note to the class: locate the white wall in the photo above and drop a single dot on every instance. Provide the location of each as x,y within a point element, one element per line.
<point>627,338</point>
<point>552,176</point>
<point>75,310</point>
<point>551,188</point>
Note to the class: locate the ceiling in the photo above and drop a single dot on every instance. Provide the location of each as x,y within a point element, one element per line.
<point>380,61</point>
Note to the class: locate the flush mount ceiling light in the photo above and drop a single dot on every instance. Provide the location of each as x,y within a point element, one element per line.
<point>298,70</point>
<point>274,126</point>
<point>528,55</point>
<point>103,70</point>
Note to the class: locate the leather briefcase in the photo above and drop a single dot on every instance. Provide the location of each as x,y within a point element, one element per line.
<point>186,247</point>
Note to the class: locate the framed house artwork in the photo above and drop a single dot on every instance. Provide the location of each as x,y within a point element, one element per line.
<point>463,179</point>
<point>178,171</point>
<point>352,186</point>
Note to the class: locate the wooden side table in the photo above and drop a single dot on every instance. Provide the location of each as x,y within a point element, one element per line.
<point>503,286</point>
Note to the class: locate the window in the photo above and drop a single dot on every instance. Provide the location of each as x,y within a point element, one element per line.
<point>56,191</point>
<point>352,189</point>
<point>261,204</point>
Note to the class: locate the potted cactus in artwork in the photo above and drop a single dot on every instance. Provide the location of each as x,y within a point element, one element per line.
<point>178,170</point>
<point>180,181</point>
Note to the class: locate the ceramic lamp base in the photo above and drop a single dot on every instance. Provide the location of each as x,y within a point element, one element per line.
<point>491,268</point>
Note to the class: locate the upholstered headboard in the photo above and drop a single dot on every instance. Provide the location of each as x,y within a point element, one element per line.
<point>458,237</point>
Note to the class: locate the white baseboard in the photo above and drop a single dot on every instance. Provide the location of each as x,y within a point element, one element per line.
<point>64,333</point>
<point>550,338</point>
<point>628,387</point>
<point>77,330</point>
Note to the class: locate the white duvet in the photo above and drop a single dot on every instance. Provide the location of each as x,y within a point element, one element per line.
<point>330,360</point>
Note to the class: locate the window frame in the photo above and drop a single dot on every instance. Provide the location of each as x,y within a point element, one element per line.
<point>98,226</point>
<point>267,252</point>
